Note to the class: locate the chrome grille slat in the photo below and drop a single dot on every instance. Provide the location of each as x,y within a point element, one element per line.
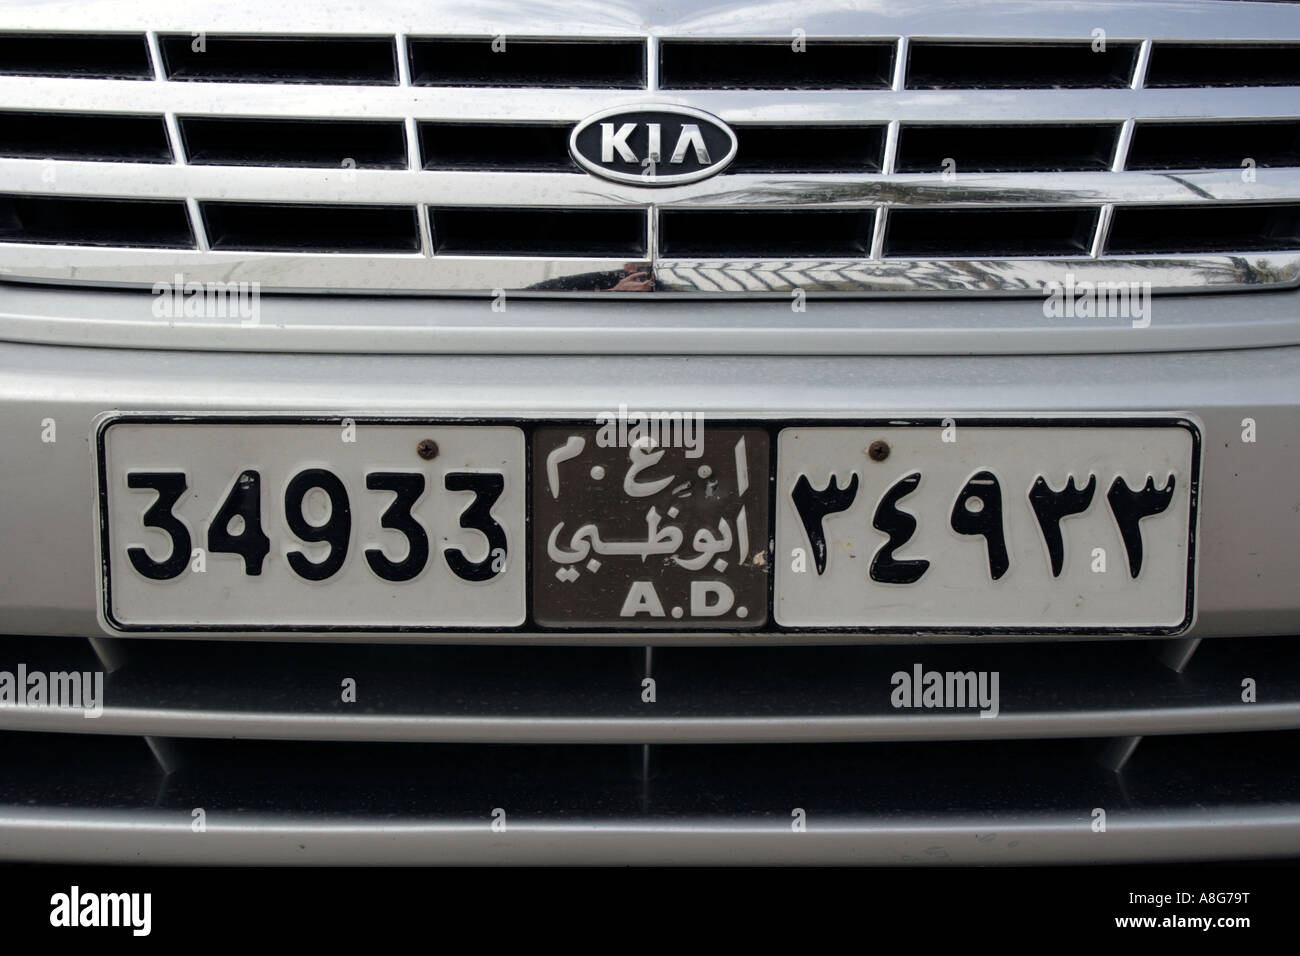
<point>550,105</point>
<point>740,190</point>
<point>410,273</point>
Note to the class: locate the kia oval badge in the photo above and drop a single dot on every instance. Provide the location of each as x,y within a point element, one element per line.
<point>653,145</point>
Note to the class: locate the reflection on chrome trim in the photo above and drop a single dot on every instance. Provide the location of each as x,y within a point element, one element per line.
<point>476,275</point>
<point>974,276</point>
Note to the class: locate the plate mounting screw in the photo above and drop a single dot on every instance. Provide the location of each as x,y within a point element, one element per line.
<point>427,449</point>
<point>878,450</point>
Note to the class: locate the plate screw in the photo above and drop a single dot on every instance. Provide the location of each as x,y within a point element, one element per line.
<point>427,449</point>
<point>878,450</point>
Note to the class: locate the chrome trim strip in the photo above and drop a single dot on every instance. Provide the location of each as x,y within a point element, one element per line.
<point>403,61</point>
<point>155,56</point>
<point>67,315</point>
<point>801,727</point>
<point>652,63</point>
<point>1122,144</point>
<point>732,106</point>
<point>1139,80</point>
<point>889,161</point>
<point>1002,277</point>
<point>471,275</point>
<point>78,835</point>
<point>568,106</point>
<point>1104,216</point>
<point>900,65</point>
<point>197,225</point>
<point>931,19</point>
<point>563,190</point>
<point>879,224</point>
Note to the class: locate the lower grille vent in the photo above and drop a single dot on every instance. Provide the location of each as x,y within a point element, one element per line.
<point>738,739</point>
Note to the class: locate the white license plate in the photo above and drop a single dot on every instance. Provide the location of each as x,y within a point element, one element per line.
<point>1036,526</point>
<point>230,523</point>
<point>210,524</point>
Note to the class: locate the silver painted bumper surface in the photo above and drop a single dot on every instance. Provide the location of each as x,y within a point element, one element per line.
<point>1250,516</point>
<point>1248,565</point>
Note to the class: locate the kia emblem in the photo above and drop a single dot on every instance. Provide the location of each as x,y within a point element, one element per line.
<point>653,145</point>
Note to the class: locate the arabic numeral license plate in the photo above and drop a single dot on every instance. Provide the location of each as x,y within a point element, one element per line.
<point>283,523</point>
<point>1036,526</point>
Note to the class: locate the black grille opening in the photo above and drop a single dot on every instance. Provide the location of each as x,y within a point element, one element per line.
<point>95,222</point>
<point>1203,145</point>
<point>105,56</point>
<point>503,147</point>
<point>480,231</point>
<point>84,136</point>
<point>276,59</point>
<point>1005,148</point>
<point>774,65</point>
<point>1042,231</point>
<point>1075,688</point>
<point>832,234</point>
<point>856,784</point>
<point>936,65</point>
<point>1224,64</point>
<point>290,227</point>
<point>274,142</point>
<point>808,149</point>
<point>1143,230</point>
<point>595,64</point>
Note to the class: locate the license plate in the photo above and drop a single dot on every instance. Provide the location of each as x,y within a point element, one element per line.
<point>213,524</point>
<point>968,527</point>
<point>672,534</point>
<point>230,523</point>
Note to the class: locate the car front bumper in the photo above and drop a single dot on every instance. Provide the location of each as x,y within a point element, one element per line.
<point>1250,512</point>
<point>712,774</point>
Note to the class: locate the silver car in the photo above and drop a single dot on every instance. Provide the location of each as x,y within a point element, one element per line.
<point>639,432</point>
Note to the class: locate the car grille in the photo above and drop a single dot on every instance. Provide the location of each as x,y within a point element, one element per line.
<point>738,739</point>
<point>865,165</point>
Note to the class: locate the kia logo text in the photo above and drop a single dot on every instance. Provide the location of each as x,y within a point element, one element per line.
<point>653,145</point>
